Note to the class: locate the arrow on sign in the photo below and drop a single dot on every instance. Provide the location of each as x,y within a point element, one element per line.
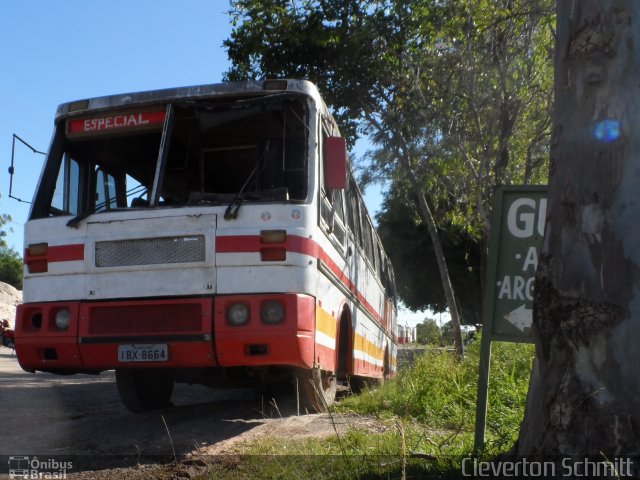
<point>520,318</point>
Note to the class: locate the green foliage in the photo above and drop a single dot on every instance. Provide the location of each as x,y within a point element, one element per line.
<point>4,219</point>
<point>428,333</point>
<point>461,91</point>
<point>427,409</point>
<point>11,267</point>
<point>275,466</point>
<point>353,50</point>
<point>440,391</point>
<point>411,251</point>
<point>475,110</point>
<point>10,261</point>
<point>464,88</point>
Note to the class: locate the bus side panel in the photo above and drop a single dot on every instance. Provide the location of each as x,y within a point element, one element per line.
<point>350,282</point>
<point>326,333</point>
<point>368,348</point>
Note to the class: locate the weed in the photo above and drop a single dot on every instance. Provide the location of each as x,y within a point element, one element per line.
<point>429,413</point>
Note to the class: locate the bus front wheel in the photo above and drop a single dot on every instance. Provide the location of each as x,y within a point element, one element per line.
<point>316,389</point>
<point>142,390</point>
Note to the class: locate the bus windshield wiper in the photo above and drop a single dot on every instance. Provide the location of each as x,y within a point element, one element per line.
<point>231,213</point>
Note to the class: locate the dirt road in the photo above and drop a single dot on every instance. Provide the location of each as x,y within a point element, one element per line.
<point>81,416</point>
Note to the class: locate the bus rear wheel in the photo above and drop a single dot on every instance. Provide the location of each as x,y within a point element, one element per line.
<point>143,390</point>
<point>359,384</point>
<point>316,389</point>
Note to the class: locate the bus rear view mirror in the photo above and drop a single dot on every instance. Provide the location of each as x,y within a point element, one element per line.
<point>12,169</point>
<point>335,173</point>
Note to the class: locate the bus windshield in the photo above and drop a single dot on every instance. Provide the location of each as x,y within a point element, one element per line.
<point>249,150</point>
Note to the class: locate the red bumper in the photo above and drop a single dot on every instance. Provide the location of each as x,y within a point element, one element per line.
<point>290,342</point>
<point>194,336</point>
<point>96,330</point>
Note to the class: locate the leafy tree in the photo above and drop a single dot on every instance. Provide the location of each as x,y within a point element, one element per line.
<point>428,332</point>
<point>11,267</point>
<point>447,334</point>
<point>409,247</point>
<point>10,261</point>
<point>441,87</point>
<point>4,219</point>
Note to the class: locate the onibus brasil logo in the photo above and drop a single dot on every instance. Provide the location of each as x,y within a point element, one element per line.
<point>34,468</point>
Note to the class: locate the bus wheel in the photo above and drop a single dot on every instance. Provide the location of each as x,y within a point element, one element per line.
<point>142,390</point>
<point>316,389</point>
<point>359,384</point>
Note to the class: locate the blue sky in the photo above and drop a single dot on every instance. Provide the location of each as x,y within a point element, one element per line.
<point>57,51</point>
<point>53,52</point>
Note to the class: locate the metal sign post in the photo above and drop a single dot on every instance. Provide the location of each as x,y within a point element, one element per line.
<point>517,231</point>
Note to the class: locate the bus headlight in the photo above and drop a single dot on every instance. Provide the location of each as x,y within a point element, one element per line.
<point>272,313</point>
<point>63,319</point>
<point>238,314</point>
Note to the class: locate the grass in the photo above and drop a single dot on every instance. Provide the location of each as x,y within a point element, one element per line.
<point>440,391</point>
<point>426,418</point>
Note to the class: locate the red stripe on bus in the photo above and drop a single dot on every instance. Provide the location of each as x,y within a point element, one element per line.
<point>296,244</point>
<point>242,244</point>
<point>65,253</point>
<point>58,253</point>
<point>238,244</point>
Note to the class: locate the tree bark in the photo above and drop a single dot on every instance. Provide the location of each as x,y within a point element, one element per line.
<point>584,396</point>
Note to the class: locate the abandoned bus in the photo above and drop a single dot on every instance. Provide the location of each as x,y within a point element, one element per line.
<point>210,234</point>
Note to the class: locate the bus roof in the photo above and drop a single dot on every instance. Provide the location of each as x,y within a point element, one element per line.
<point>249,88</point>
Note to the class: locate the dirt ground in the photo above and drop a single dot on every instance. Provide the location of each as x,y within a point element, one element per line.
<point>9,299</point>
<point>81,416</point>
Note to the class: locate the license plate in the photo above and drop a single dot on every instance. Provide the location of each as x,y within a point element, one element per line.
<point>158,352</point>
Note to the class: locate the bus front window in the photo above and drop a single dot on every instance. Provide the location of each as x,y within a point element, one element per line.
<point>215,150</point>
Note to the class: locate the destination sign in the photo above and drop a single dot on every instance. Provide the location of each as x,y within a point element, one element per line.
<point>119,121</point>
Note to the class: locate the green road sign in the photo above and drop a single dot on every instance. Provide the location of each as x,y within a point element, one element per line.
<point>517,231</point>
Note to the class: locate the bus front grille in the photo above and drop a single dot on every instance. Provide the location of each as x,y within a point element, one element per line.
<point>150,251</point>
<point>145,319</point>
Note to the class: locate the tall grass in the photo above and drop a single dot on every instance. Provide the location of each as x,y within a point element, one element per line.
<point>426,420</point>
<point>440,391</point>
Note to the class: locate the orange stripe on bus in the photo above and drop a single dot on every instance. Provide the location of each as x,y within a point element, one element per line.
<point>325,323</point>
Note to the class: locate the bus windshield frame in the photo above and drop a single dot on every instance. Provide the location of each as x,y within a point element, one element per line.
<point>179,153</point>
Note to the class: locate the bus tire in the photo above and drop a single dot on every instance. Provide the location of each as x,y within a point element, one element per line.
<point>316,389</point>
<point>386,369</point>
<point>143,390</point>
<point>359,384</point>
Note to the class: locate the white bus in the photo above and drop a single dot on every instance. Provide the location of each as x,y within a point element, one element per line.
<point>209,234</point>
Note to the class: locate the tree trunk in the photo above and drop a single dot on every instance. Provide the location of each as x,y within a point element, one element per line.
<point>584,396</point>
<point>439,253</point>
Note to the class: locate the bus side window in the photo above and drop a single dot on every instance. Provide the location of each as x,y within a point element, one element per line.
<point>332,215</point>
<point>353,211</point>
<point>366,233</point>
<point>338,221</point>
<point>66,194</point>
<point>105,191</point>
<point>376,249</point>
